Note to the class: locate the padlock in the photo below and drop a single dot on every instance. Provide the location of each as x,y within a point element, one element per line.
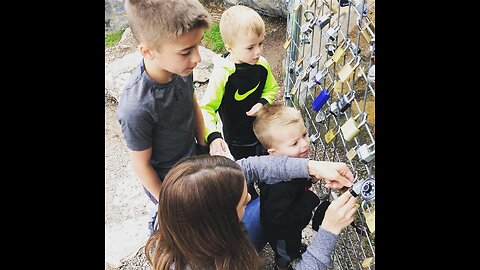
<point>355,49</point>
<point>320,76</point>
<point>364,188</point>
<point>366,155</point>
<point>345,101</point>
<point>303,76</point>
<point>295,87</point>
<point>305,39</point>
<point>344,3</point>
<point>330,48</point>
<point>340,51</point>
<point>334,109</point>
<point>370,220</point>
<point>351,127</point>
<point>347,69</point>
<point>287,43</point>
<point>351,153</point>
<point>320,100</point>
<point>332,32</point>
<point>298,70</point>
<point>313,138</point>
<point>313,61</point>
<point>307,26</point>
<point>321,117</point>
<point>330,135</point>
<point>324,20</point>
<point>292,67</point>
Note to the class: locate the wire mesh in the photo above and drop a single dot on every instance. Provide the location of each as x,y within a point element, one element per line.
<point>329,68</point>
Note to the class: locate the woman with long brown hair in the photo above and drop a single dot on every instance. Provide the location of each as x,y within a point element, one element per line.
<point>202,201</point>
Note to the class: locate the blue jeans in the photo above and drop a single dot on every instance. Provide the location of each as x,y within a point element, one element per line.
<point>251,220</point>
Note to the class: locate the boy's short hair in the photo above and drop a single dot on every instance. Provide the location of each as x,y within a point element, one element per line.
<point>238,18</point>
<point>270,119</point>
<point>154,22</point>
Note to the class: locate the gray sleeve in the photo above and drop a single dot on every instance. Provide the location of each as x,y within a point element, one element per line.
<point>317,256</point>
<point>273,169</point>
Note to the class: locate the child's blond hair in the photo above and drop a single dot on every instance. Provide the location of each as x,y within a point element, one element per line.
<point>155,22</point>
<point>237,19</point>
<point>270,119</point>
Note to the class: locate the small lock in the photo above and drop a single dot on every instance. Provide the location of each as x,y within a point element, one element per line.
<point>303,76</point>
<point>313,61</point>
<point>307,27</point>
<point>330,48</point>
<point>330,135</point>
<point>355,49</point>
<point>320,100</point>
<point>320,117</point>
<point>305,39</point>
<point>349,129</point>
<point>364,188</point>
<point>332,32</point>
<point>347,69</point>
<point>291,68</point>
<point>346,100</point>
<point>366,155</point>
<point>320,76</point>
<point>334,109</point>
<point>344,3</point>
<point>324,20</point>
<point>298,70</point>
<point>313,138</point>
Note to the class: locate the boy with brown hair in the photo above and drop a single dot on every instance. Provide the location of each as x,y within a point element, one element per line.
<point>286,207</point>
<point>158,112</point>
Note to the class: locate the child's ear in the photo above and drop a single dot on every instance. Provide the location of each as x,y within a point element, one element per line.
<point>228,48</point>
<point>272,151</point>
<point>146,52</point>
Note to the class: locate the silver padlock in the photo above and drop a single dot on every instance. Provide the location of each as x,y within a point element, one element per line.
<point>307,27</point>
<point>324,20</point>
<point>365,154</point>
<point>330,48</point>
<point>355,49</point>
<point>320,76</point>
<point>320,117</point>
<point>364,188</point>
<point>313,61</point>
<point>314,137</point>
<point>305,39</point>
<point>345,101</point>
<point>334,109</point>
<point>303,76</point>
<point>332,32</point>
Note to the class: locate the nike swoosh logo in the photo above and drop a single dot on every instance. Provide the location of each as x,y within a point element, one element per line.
<point>239,97</point>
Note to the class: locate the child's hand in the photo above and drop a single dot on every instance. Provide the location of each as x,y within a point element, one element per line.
<point>220,148</point>
<point>254,110</point>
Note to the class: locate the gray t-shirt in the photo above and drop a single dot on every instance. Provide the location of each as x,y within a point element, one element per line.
<point>158,116</point>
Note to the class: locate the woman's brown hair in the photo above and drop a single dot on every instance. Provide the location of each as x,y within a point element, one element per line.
<point>198,221</point>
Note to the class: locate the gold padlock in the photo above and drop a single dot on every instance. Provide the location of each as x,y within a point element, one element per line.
<point>330,135</point>
<point>352,153</point>
<point>367,262</point>
<point>370,220</point>
<point>347,69</point>
<point>349,129</point>
<point>287,43</point>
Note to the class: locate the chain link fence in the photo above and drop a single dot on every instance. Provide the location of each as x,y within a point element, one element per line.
<point>330,78</point>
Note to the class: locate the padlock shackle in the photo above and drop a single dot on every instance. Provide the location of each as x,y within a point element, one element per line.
<point>309,12</point>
